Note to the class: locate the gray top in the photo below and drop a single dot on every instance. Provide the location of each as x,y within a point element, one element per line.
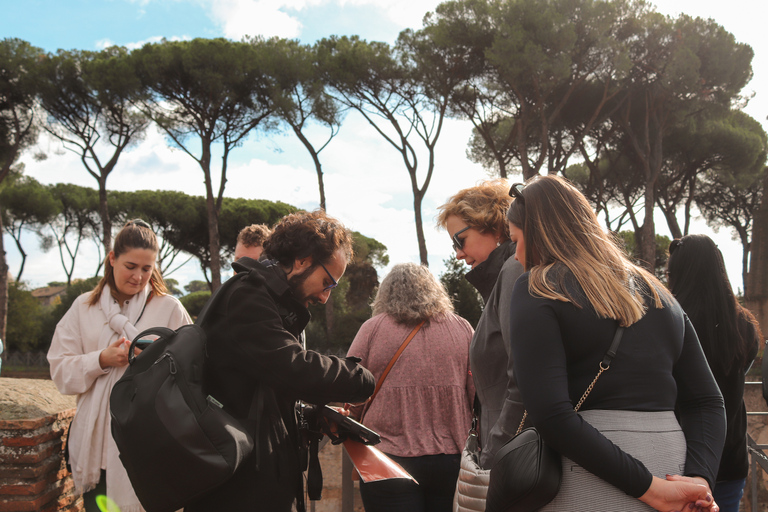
<point>501,407</point>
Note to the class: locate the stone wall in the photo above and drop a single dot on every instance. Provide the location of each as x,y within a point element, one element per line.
<point>34,419</point>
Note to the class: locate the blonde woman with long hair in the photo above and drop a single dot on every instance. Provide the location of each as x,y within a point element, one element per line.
<point>624,449</point>
<point>423,409</point>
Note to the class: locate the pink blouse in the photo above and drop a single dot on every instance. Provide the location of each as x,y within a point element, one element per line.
<point>425,404</point>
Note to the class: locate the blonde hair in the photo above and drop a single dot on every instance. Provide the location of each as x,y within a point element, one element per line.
<point>482,207</point>
<point>563,236</point>
<point>410,294</point>
<point>253,235</point>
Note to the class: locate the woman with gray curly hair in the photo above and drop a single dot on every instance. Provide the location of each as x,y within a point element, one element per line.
<point>423,409</point>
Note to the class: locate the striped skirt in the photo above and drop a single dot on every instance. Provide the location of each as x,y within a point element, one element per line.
<point>654,438</point>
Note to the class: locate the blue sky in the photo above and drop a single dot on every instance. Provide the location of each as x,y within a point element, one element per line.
<point>89,24</point>
<point>366,183</point>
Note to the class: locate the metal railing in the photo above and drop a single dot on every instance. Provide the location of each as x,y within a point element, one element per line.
<point>757,456</point>
<point>35,359</point>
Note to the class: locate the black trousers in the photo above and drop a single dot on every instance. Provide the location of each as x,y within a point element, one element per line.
<point>89,498</point>
<point>436,476</point>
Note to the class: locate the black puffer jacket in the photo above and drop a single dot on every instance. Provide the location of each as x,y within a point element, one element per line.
<point>254,344</point>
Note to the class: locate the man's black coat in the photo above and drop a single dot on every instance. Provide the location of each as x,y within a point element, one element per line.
<point>254,344</point>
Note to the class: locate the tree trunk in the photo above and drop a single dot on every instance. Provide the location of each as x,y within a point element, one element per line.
<point>756,283</point>
<point>417,200</point>
<point>3,285</point>
<point>214,244</point>
<point>672,224</point>
<point>647,242</point>
<point>316,160</point>
<point>106,222</point>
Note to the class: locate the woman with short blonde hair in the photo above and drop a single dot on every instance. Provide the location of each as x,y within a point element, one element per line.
<point>475,219</point>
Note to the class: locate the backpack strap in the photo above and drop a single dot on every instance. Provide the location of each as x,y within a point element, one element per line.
<point>152,331</point>
<point>216,296</point>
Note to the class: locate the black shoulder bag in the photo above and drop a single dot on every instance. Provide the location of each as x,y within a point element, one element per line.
<point>526,473</point>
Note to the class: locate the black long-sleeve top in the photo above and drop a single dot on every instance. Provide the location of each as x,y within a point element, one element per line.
<point>557,347</point>
<point>734,464</point>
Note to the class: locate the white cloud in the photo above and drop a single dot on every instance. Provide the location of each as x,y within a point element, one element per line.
<point>104,43</point>
<point>406,13</point>
<point>238,18</point>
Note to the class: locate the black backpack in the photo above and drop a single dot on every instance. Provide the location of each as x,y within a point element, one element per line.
<point>175,442</point>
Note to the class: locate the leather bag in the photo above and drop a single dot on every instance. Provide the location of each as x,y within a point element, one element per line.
<point>526,473</point>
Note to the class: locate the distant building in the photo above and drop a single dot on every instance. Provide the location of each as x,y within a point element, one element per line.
<point>50,295</point>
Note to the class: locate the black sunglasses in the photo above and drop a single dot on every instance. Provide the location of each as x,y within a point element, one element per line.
<point>516,191</point>
<point>458,243</point>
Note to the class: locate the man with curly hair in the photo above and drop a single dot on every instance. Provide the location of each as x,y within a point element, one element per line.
<point>257,359</point>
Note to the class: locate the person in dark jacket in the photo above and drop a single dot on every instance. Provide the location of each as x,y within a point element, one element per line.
<point>730,337</point>
<point>256,358</point>
<point>475,218</point>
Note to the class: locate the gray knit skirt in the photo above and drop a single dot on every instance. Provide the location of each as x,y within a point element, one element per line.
<point>654,438</point>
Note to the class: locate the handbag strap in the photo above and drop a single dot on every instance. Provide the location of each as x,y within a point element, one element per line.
<point>390,365</point>
<point>604,365</point>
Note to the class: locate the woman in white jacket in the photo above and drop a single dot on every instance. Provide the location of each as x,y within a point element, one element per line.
<point>89,353</point>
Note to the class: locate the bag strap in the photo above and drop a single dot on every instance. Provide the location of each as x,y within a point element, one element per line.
<point>475,416</point>
<point>216,296</point>
<point>152,331</point>
<point>604,365</point>
<point>390,365</point>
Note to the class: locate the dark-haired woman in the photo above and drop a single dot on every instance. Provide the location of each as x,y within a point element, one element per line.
<point>89,353</point>
<point>624,449</point>
<point>730,337</point>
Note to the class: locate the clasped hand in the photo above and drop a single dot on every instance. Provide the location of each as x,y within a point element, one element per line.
<point>680,494</point>
<point>116,355</point>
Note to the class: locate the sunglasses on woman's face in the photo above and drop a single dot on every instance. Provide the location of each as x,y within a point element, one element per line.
<point>458,243</point>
